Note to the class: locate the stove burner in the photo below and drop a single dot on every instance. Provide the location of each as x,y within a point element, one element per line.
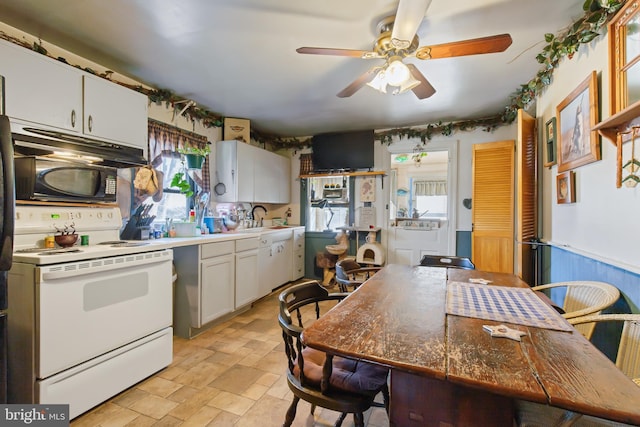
<point>31,250</point>
<point>59,251</point>
<point>48,251</point>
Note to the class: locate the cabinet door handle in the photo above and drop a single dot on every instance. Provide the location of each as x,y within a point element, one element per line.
<point>90,123</point>
<point>73,118</point>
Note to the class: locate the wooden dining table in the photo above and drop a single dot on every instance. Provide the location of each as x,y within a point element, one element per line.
<point>447,370</point>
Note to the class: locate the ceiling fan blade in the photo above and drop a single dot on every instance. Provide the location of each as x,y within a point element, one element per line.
<point>364,54</point>
<point>424,89</point>
<point>408,18</point>
<point>491,44</point>
<point>362,80</point>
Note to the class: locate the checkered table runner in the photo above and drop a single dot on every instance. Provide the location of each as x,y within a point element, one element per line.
<point>502,304</point>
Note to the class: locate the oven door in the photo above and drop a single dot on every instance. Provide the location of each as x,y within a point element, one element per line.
<point>87,308</point>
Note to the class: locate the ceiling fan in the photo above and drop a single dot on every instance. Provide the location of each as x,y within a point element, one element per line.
<point>398,40</point>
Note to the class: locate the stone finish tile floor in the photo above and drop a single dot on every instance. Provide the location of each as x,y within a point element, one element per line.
<point>231,375</point>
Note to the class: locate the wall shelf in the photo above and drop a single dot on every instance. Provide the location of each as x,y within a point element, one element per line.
<point>619,123</point>
<point>619,129</point>
<point>356,173</point>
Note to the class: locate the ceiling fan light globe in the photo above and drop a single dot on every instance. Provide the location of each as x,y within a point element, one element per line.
<point>397,73</point>
<point>379,82</point>
<point>408,85</point>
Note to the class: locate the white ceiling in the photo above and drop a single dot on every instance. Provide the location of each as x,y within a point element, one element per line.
<point>237,58</point>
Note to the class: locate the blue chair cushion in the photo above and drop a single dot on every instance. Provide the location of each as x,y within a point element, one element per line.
<point>354,376</point>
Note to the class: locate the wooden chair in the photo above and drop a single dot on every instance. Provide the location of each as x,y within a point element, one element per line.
<point>447,261</point>
<point>627,359</point>
<point>584,298</point>
<point>336,383</point>
<point>351,274</point>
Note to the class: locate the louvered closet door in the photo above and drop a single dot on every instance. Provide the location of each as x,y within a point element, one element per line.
<point>527,220</point>
<point>493,206</point>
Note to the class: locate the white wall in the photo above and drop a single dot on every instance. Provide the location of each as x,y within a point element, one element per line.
<point>604,221</point>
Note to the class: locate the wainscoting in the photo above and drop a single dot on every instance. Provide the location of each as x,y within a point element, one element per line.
<point>561,265</point>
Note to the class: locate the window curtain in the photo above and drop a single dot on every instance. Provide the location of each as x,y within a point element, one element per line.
<point>430,188</point>
<point>165,140</point>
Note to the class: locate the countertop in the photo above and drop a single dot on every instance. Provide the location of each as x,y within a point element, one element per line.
<point>245,233</point>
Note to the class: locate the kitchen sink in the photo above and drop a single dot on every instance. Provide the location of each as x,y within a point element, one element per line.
<point>278,227</point>
<point>251,230</point>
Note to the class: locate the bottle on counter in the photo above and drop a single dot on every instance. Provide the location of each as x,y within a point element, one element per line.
<point>192,215</point>
<point>49,242</point>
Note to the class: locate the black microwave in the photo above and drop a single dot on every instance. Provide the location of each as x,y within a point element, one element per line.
<point>39,178</point>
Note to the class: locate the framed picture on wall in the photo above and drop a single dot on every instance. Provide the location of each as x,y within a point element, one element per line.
<point>550,139</point>
<point>566,187</point>
<point>577,114</point>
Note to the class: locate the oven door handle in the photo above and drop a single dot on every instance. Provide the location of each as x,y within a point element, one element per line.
<point>83,268</point>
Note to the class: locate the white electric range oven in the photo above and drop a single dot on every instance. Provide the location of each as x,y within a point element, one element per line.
<point>86,322</point>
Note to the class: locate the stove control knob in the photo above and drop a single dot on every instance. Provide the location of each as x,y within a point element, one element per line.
<point>98,215</point>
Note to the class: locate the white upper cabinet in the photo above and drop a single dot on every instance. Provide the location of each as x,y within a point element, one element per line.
<point>284,179</point>
<point>41,90</point>
<point>234,172</point>
<point>47,92</point>
<point>274,184</point>
<point>114,112</point>
<point>250,174</point>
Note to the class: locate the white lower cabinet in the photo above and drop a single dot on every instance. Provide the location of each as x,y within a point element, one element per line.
<point>247,286</point>
<point>216,279</point>
<point>205,286</point>
<point>217,276</point>
<point>265,265</point>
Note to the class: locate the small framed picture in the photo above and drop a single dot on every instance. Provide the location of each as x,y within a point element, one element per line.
<point>550,138</point>
<point>566,187</point>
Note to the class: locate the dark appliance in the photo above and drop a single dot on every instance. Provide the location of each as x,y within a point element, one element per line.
<point>7,206</point>
<point>343,151</point>
<point>39,178</point>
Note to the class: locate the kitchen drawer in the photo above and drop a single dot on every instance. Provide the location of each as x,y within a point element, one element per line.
<point>298,239</point>
<point>209,250</point>
<point>298,265</point>
<point>247,244</point>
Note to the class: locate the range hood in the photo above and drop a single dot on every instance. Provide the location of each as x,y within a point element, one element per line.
<point>34,141</point>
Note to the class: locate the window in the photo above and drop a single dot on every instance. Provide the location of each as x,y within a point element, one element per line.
<point>164,142</point>
<point>173,204</point>
<point>328,203</point>
<point>624,52</point>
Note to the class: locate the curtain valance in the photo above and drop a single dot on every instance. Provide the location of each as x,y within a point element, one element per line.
<point>430,188</point>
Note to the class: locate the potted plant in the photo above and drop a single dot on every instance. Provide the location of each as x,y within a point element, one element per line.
<point>194,156</point>
<point>180,181</point>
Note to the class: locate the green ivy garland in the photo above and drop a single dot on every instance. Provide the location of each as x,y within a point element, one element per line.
<point>567,43</point>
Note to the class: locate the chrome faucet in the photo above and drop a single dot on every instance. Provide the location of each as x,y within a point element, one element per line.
<point>253,215</point>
